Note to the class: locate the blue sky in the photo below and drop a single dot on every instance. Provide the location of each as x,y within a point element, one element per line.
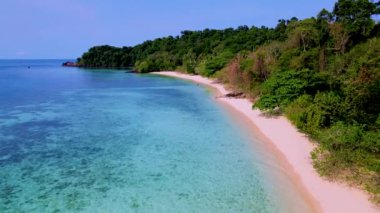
<point>66,28</point>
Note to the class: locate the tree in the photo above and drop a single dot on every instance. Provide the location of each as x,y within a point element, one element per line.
<point>304,34</point>
<point>340,37</point>
<point>355,15</point>
<point>325,15</point>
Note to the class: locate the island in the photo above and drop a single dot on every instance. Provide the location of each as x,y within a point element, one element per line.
<point>321,74</point>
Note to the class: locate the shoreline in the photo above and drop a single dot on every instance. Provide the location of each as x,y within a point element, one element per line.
<point>294,148</point>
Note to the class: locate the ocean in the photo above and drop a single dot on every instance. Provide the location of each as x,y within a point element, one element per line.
<point>95,140</point>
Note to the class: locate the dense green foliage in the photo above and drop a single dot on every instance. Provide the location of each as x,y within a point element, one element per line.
<point>106,56</point>
<point>323,73</point>
<point>203,52</point>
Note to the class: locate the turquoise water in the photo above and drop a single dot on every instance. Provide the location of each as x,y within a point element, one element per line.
<point>75,140</point>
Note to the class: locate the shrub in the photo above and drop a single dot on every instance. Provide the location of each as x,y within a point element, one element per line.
<point>216,63</point>
<point>282,88</point>
<point>349,152</point>
<point>298,111</point>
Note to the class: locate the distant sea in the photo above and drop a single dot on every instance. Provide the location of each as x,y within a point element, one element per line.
<point>80,140</point>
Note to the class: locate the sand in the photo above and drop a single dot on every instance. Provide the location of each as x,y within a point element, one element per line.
<point>294,147</point>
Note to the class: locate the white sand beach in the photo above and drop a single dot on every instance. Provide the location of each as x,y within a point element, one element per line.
<point>294,147</point>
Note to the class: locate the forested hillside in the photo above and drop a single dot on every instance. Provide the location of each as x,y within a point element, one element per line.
<point>323,73</point>
<point>204,51</point>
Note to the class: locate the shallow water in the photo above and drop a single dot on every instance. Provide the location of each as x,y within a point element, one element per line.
<point>75,140</point>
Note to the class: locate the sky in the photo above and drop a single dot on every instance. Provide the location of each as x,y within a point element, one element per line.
<point>64,29</point>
